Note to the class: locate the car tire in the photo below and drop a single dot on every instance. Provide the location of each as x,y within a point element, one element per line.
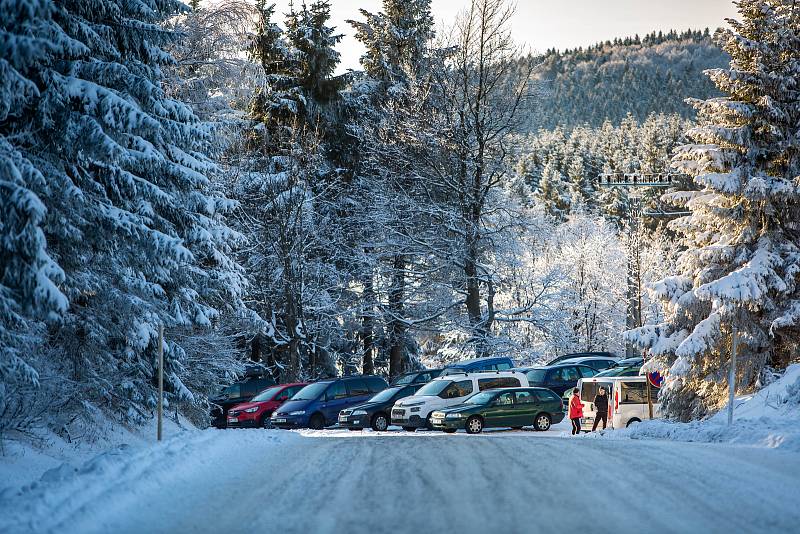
<point>449,430</point>
<point>317,422</point>
<point>409,429</point>
<point>542,422</point>
<point>633,421</point>
<point>265,421</point>
<point>474,425</point>
<point>380,422</point>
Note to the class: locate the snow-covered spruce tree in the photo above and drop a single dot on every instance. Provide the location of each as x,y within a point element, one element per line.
<point>112,175</point>
<point>396,41</point>
<point>742,259</point>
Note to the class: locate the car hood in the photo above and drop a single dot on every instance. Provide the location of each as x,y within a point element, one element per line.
<point>294,405</point>
<point>245,405</point>
<point>370,406</point>
<point>415,399</point>
<point>461,408</point>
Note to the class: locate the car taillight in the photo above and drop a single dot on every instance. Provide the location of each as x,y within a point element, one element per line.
<point>616,401</point>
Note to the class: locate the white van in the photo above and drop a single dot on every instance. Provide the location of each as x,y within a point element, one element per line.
<point>413,412</point>
<point>627,401</point>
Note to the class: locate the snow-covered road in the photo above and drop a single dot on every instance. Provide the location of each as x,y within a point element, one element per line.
<point>502,482</point>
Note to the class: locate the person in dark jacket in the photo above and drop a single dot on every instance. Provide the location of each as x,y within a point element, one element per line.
<point>575,411</point>
<point>601,407</point>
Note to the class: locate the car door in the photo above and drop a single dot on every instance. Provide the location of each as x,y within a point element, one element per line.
<point>335,400</point>
<point>500,411</point>
<point>525,408</point>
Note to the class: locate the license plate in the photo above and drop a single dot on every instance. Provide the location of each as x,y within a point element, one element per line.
<point>437,421</point>
<point>356,422</point>
<point>279,420</point>
<point>588,419</point>
<point>233,420</point>
<point>342,418</point>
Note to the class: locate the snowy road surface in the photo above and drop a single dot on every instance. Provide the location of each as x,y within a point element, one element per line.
<point>502,482</point>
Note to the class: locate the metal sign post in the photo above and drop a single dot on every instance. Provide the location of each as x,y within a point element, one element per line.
<point>160,379</point>
<point>732,372</point>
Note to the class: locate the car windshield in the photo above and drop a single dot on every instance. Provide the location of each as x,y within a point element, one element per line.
<point>385,395</point>
<point>267,394</point>
<point>311,391</point>
<point>484,397</point>
<point>536,375</point>
<point>405,379</point>
<point>433,388</point>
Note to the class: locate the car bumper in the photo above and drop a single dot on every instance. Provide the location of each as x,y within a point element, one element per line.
<point>358,422</point>
<point>288,422</point>
<point>557,417</point>
<point>448,424</point>
<point>415,421</point>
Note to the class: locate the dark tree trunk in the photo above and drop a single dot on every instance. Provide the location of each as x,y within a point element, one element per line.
<point>397,329</point>
<point>367,327</point>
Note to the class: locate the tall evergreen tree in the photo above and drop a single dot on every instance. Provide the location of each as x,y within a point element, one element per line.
<point>112,175</point>
<point>742,259</point>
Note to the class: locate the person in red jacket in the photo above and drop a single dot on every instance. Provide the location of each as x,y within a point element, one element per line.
<point>575,411</point>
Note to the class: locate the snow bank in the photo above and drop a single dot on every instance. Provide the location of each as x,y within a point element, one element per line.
<point>769,418</point>
<point>64,497</point>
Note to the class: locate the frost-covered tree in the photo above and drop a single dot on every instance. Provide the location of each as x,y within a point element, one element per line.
<point>109,224</point>
<point>742,259</point>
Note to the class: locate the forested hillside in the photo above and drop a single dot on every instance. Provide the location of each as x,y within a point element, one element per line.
<point>640,76</point>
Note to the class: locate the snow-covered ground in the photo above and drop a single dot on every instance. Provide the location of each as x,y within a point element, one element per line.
<point>335,481</point>
<point>769,418</point>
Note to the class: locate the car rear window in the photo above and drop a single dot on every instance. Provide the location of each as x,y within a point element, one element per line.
<point>536,375</point>
<point>498,382</point>
<point>636,393</point>
<point>545,395</point>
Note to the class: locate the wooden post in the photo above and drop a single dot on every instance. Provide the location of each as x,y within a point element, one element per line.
<point>732,372</point>
<point>160,379</point>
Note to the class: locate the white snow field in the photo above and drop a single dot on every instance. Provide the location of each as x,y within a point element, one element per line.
<point>334,481</point>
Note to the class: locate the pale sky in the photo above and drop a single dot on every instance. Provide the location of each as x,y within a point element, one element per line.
<point>543,24</point>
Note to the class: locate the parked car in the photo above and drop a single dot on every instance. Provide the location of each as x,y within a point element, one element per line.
<point>234,394</point>
<point>375,412</point>
<point>500,363</point>
<point>417,377</point>
<point>318,405</point>
<point>582,355</point>
<point>620,371</point>
<point>515,408</point>
<point>627,400</point>
<point>636,361</point>
<point>560,377</point>
<point>259,409</point>
<point>413,412</point>
<point>598,363</point>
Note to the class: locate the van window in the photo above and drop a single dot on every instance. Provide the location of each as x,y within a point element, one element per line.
<point>337,391</point>
<point>635,393</point>
<point>498,382</point>
<point>589,390</point>
<point>457,389</point>
<point>375,384</point>
<point>358,387</point>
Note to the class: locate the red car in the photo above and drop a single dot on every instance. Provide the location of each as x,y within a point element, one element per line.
<point>257,412</point>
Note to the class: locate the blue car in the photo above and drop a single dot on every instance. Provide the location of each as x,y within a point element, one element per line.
<point>500,363</point>
<point>318,405</point>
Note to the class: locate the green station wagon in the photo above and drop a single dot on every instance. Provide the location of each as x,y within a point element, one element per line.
<point>507,407</point>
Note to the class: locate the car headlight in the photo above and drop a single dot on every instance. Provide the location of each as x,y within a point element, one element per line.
<point>298,412</point>
<point>359,412</point>
<point>251,410</point>
<point>453,416</point>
